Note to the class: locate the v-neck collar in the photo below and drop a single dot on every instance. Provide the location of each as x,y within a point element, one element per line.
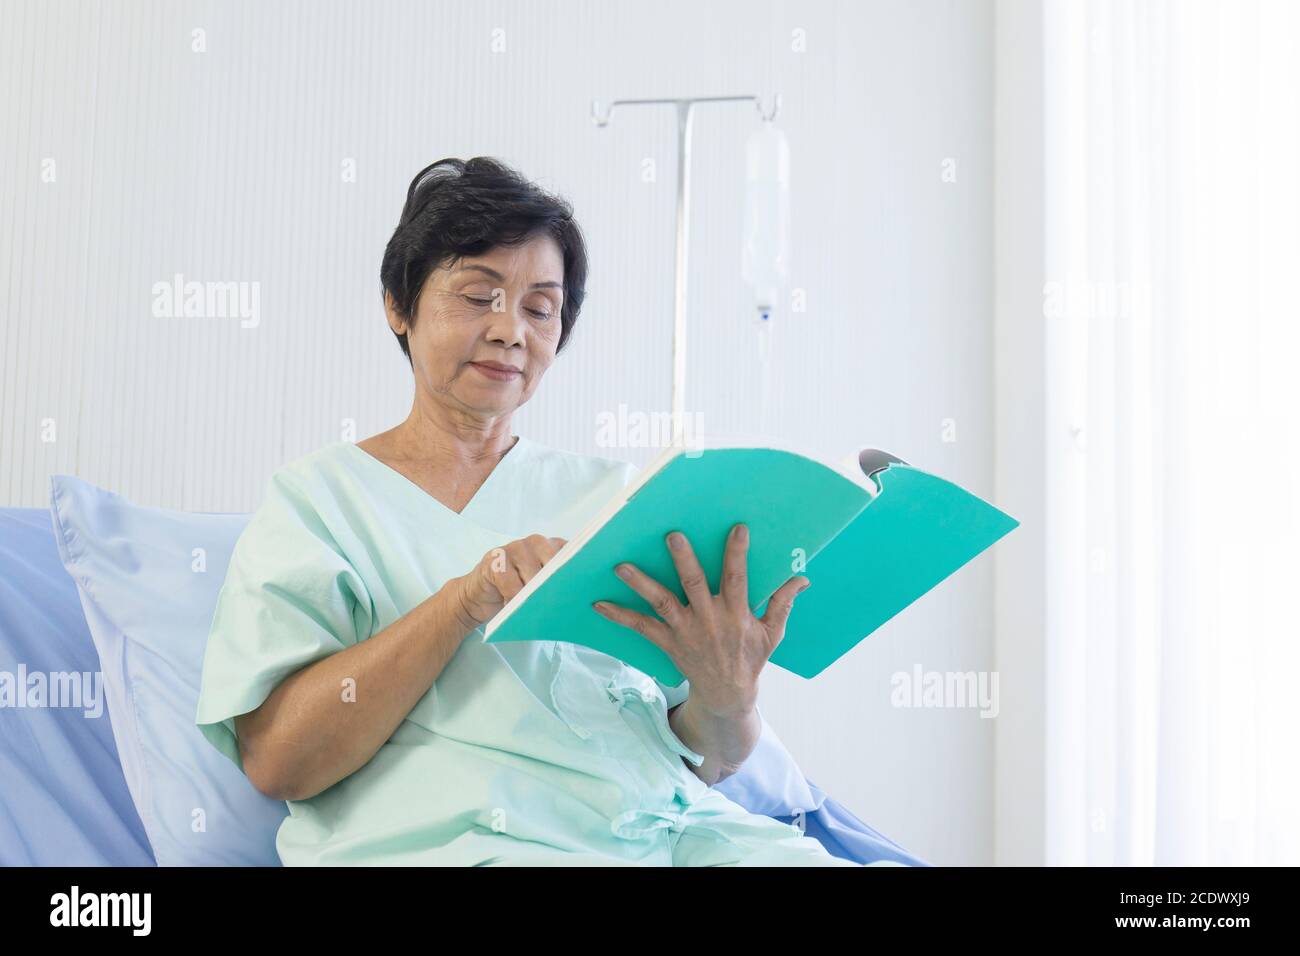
<point>508,460</point>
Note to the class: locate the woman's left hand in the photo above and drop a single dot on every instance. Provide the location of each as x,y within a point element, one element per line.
<point>715,640</point>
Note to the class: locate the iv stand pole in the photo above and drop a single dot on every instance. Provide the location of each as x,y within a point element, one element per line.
<point>683,219</point>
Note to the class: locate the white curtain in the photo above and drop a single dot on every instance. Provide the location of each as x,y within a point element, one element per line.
<point>1172,311</point>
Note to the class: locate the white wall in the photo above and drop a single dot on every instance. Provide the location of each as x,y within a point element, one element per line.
<point>1021,432</point>
<point>225,166</point>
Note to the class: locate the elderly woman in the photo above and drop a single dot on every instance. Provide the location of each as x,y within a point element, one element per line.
<point>346,672</point>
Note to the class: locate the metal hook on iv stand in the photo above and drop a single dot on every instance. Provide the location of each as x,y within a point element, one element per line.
<point>684,116</point>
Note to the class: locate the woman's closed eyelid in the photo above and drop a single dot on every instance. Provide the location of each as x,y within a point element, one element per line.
<point>481,298</point>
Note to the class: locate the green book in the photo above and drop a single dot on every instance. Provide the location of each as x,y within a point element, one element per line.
<point>871,538</point>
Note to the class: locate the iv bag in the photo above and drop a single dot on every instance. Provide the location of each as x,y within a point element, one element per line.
<point>765,261</point>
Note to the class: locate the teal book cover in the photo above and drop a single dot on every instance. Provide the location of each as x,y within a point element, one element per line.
<point>871,541</point>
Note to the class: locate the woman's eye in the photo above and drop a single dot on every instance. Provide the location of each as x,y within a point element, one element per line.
<point>540,313</point>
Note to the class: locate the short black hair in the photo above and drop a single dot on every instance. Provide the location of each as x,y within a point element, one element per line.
<point>458,208</point>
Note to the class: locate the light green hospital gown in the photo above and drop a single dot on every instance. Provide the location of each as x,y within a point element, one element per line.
<point>525,752</point>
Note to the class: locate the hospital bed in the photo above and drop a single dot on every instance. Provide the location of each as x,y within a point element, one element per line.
<point>136,784</point>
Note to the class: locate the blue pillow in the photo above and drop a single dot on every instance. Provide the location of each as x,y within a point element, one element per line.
<point>148,581</point>
<point>63,800</point>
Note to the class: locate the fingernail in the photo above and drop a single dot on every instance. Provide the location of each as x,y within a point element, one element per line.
<point>623,571</point>
<point>675,540</point>
<point>598,605</point>
<point>742,534</point>
<point>804,588</point>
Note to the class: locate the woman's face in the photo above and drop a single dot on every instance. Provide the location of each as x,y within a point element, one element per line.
<point>501,307</point>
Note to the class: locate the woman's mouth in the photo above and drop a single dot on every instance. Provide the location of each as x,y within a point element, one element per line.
<point>498,373</point>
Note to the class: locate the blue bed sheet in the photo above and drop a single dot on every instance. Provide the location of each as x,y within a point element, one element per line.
<point>844,835</point>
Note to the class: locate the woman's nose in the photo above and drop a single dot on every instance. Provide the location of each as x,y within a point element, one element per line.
<point>508,325</point>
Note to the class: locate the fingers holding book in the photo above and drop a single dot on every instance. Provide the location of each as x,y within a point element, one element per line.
<point>714,640</point>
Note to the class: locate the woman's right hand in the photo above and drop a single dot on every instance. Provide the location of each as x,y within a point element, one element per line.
<point>501,574</point>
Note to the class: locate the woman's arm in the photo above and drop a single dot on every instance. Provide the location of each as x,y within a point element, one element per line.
<point>725,741</point>
<point>327,720</point>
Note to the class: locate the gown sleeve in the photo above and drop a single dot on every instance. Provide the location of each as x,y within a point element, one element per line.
<point>290,598</point>
<point>675,695</point>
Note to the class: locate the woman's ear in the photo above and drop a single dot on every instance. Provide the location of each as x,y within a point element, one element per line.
<point>395,320</point>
